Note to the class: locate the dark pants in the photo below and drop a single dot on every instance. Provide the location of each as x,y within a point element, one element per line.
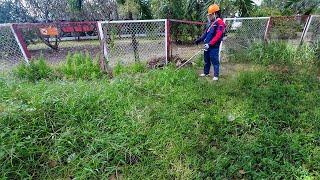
<point>211,57</point>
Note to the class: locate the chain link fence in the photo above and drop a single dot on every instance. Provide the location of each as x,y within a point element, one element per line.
<point>10,51</point>
<point>241,33</point>
<point>289,29</point>
<point>55,41</point>
<point>182,37</point>
<point>146,40</point>
<point>126,42</point>
<point>312,32</point>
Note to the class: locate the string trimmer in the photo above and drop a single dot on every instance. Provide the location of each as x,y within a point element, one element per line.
<point>189,59</point>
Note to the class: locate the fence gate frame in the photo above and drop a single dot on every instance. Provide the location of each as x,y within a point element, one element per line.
<point>104,45</point>
<point>18,38</point>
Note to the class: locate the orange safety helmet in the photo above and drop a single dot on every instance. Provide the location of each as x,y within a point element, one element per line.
<point>213,8</point>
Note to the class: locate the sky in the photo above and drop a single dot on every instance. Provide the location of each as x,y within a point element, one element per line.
<point>258,2</point>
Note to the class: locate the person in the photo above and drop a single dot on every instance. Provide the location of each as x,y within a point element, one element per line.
<point>212,39</point>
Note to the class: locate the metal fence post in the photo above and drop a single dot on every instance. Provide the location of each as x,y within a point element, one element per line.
<point>305,30</point>
<point>267,30</point>
<point>168,41</point>
<point>22,44</point>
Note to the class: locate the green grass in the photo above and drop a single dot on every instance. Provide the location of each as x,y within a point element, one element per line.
<point>277,53</point>
<point>81,66</point>
<point>35,71</point>
<point>76,66</point>
<point>162,124</point>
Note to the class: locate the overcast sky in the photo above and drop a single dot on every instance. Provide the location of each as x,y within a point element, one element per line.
<point>258,2</point>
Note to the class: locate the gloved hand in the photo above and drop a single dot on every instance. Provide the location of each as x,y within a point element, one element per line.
<point>206,47</point>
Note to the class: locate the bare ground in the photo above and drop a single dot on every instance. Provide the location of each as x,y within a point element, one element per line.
<point>53,57</point>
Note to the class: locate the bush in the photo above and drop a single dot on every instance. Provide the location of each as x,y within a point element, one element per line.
<point>38,69</point>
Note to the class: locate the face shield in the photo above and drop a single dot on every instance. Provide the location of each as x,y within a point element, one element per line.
<point>211,17</point>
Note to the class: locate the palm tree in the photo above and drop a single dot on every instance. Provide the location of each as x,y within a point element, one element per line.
<point>304,7</point>
<point>242,7</point>
<point>76,5</point>
<point>141,8</point>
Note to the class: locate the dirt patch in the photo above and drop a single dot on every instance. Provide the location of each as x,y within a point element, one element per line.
<point>132,159</point>
<point>280,69</point>
<point>54,57</point>
<point>161,62</point>
<point>116,176</point>
<point>184,51</point>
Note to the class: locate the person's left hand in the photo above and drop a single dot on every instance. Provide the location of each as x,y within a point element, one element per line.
<point>206,46</point>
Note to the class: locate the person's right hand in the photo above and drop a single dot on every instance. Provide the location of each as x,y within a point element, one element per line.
<point>206,47</point>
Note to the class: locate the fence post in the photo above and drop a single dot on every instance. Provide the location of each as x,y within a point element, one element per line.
<point>305,30</point>
<point>21,42</point>
<point>104,56</point>
<point>267,30</point>
<point>168,41</point>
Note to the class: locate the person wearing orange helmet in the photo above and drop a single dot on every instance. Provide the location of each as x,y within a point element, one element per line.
<point>212,39</point>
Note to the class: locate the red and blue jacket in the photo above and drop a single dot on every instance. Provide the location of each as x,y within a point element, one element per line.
<point>214,33</point>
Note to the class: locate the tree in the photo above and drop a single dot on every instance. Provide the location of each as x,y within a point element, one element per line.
<point>53,10</point>
<point>293,7</point>
<point>100,9</point>
<point>73,10</point>
<point>46,10</point>
<point>197,9</point>
<point>145,9</point>
<point>305,7</point>
<point>76,5</point>
<point>13,11</point>
<point>141,9</point>
<point>266,11</point>
<point>241,8</point>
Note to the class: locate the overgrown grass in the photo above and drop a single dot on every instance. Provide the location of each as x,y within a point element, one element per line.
<point>36,70</point>
<point>162,124</point>
<point>81,66</point>
<point>138,67</point>
<point>277,53</point>
<point>76,66</point>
